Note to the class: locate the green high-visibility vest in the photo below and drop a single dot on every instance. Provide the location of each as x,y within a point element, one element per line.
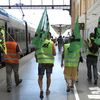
<point>44,55</point>
<point>71,59</point>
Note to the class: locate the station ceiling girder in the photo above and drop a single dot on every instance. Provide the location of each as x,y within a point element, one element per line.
<point>63,7</point>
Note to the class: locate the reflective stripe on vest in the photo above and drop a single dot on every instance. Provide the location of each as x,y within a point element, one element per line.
<point>71,59</point>
<point>44,55</point>
<point>11,56</point>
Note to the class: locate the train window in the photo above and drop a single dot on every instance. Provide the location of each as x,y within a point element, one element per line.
<point>16,37</point>
<point>20,36</point>
<point>15,34</point>
<point>2,23</point>
<point>12,33</point>
<point>8,30</point>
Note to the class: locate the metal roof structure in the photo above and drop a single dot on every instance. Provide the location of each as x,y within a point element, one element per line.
<point>63,7</point>
<point>60,28</point>
<point>21,4</point>
<point>32,4</point>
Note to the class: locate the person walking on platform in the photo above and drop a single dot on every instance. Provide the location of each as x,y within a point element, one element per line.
<point>92,58</point>
<point>71,60</point>
<point>11,60</point>
<point>71,55</point>
<point>45,58</point>
<point>60,43</point>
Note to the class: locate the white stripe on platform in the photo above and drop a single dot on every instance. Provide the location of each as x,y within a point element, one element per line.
<point>76,93</point>
<point>99,73</point>
<point>94,97</point>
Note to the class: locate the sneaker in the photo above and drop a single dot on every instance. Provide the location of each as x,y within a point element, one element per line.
<point>95,82</point>
<point>68,89</point>
<point>41,94</point>
<point>20,81</point>
<point>77,81</point>
<point>8,90</point>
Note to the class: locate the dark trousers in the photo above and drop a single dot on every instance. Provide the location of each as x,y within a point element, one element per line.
<point>92,66</point>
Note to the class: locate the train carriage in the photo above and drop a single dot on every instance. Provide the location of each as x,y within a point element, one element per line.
<point>19,30</point>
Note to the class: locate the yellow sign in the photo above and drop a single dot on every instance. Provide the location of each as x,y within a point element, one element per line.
<point>2,41</point>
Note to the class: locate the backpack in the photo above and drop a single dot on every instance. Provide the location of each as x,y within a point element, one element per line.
<point>94,48</point>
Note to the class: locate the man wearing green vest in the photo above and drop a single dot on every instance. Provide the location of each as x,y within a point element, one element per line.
<point>71,59</point>
<point>45,58</point>
<point>71,55</point>
<point>92,58</point>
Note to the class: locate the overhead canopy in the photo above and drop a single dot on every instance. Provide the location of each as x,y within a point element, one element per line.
<point>60,28</point>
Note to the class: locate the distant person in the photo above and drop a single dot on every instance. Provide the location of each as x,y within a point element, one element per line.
<point>92,58</point>
<point>45,58</point>
<point>60,43</point>
<point>11,60</point>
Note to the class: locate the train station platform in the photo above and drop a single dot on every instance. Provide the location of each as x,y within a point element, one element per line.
<point>29,89</point>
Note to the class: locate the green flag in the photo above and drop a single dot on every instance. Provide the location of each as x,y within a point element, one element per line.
<point>77,44</point>
<point>97,40</point>
<point>76,29</point>
<point>42,31</point>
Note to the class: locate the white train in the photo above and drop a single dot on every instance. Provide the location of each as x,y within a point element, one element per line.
<point>18,29</point>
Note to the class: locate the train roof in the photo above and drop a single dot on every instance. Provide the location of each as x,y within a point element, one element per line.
<point>3,15</point>
<point>15,22</point>
<point>3,12</point>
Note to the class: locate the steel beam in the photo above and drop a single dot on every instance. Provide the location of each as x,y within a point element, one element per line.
<point>18,6</point>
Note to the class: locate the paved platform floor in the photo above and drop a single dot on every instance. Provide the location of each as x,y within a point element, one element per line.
<point>29,89</point>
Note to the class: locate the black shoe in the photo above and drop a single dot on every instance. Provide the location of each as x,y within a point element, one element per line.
<point>76,81</point>
<point>9,90</point>
<point>68,89</point>
<point>95,82</point>
<point>41,95</point>
<point>20,81</point>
